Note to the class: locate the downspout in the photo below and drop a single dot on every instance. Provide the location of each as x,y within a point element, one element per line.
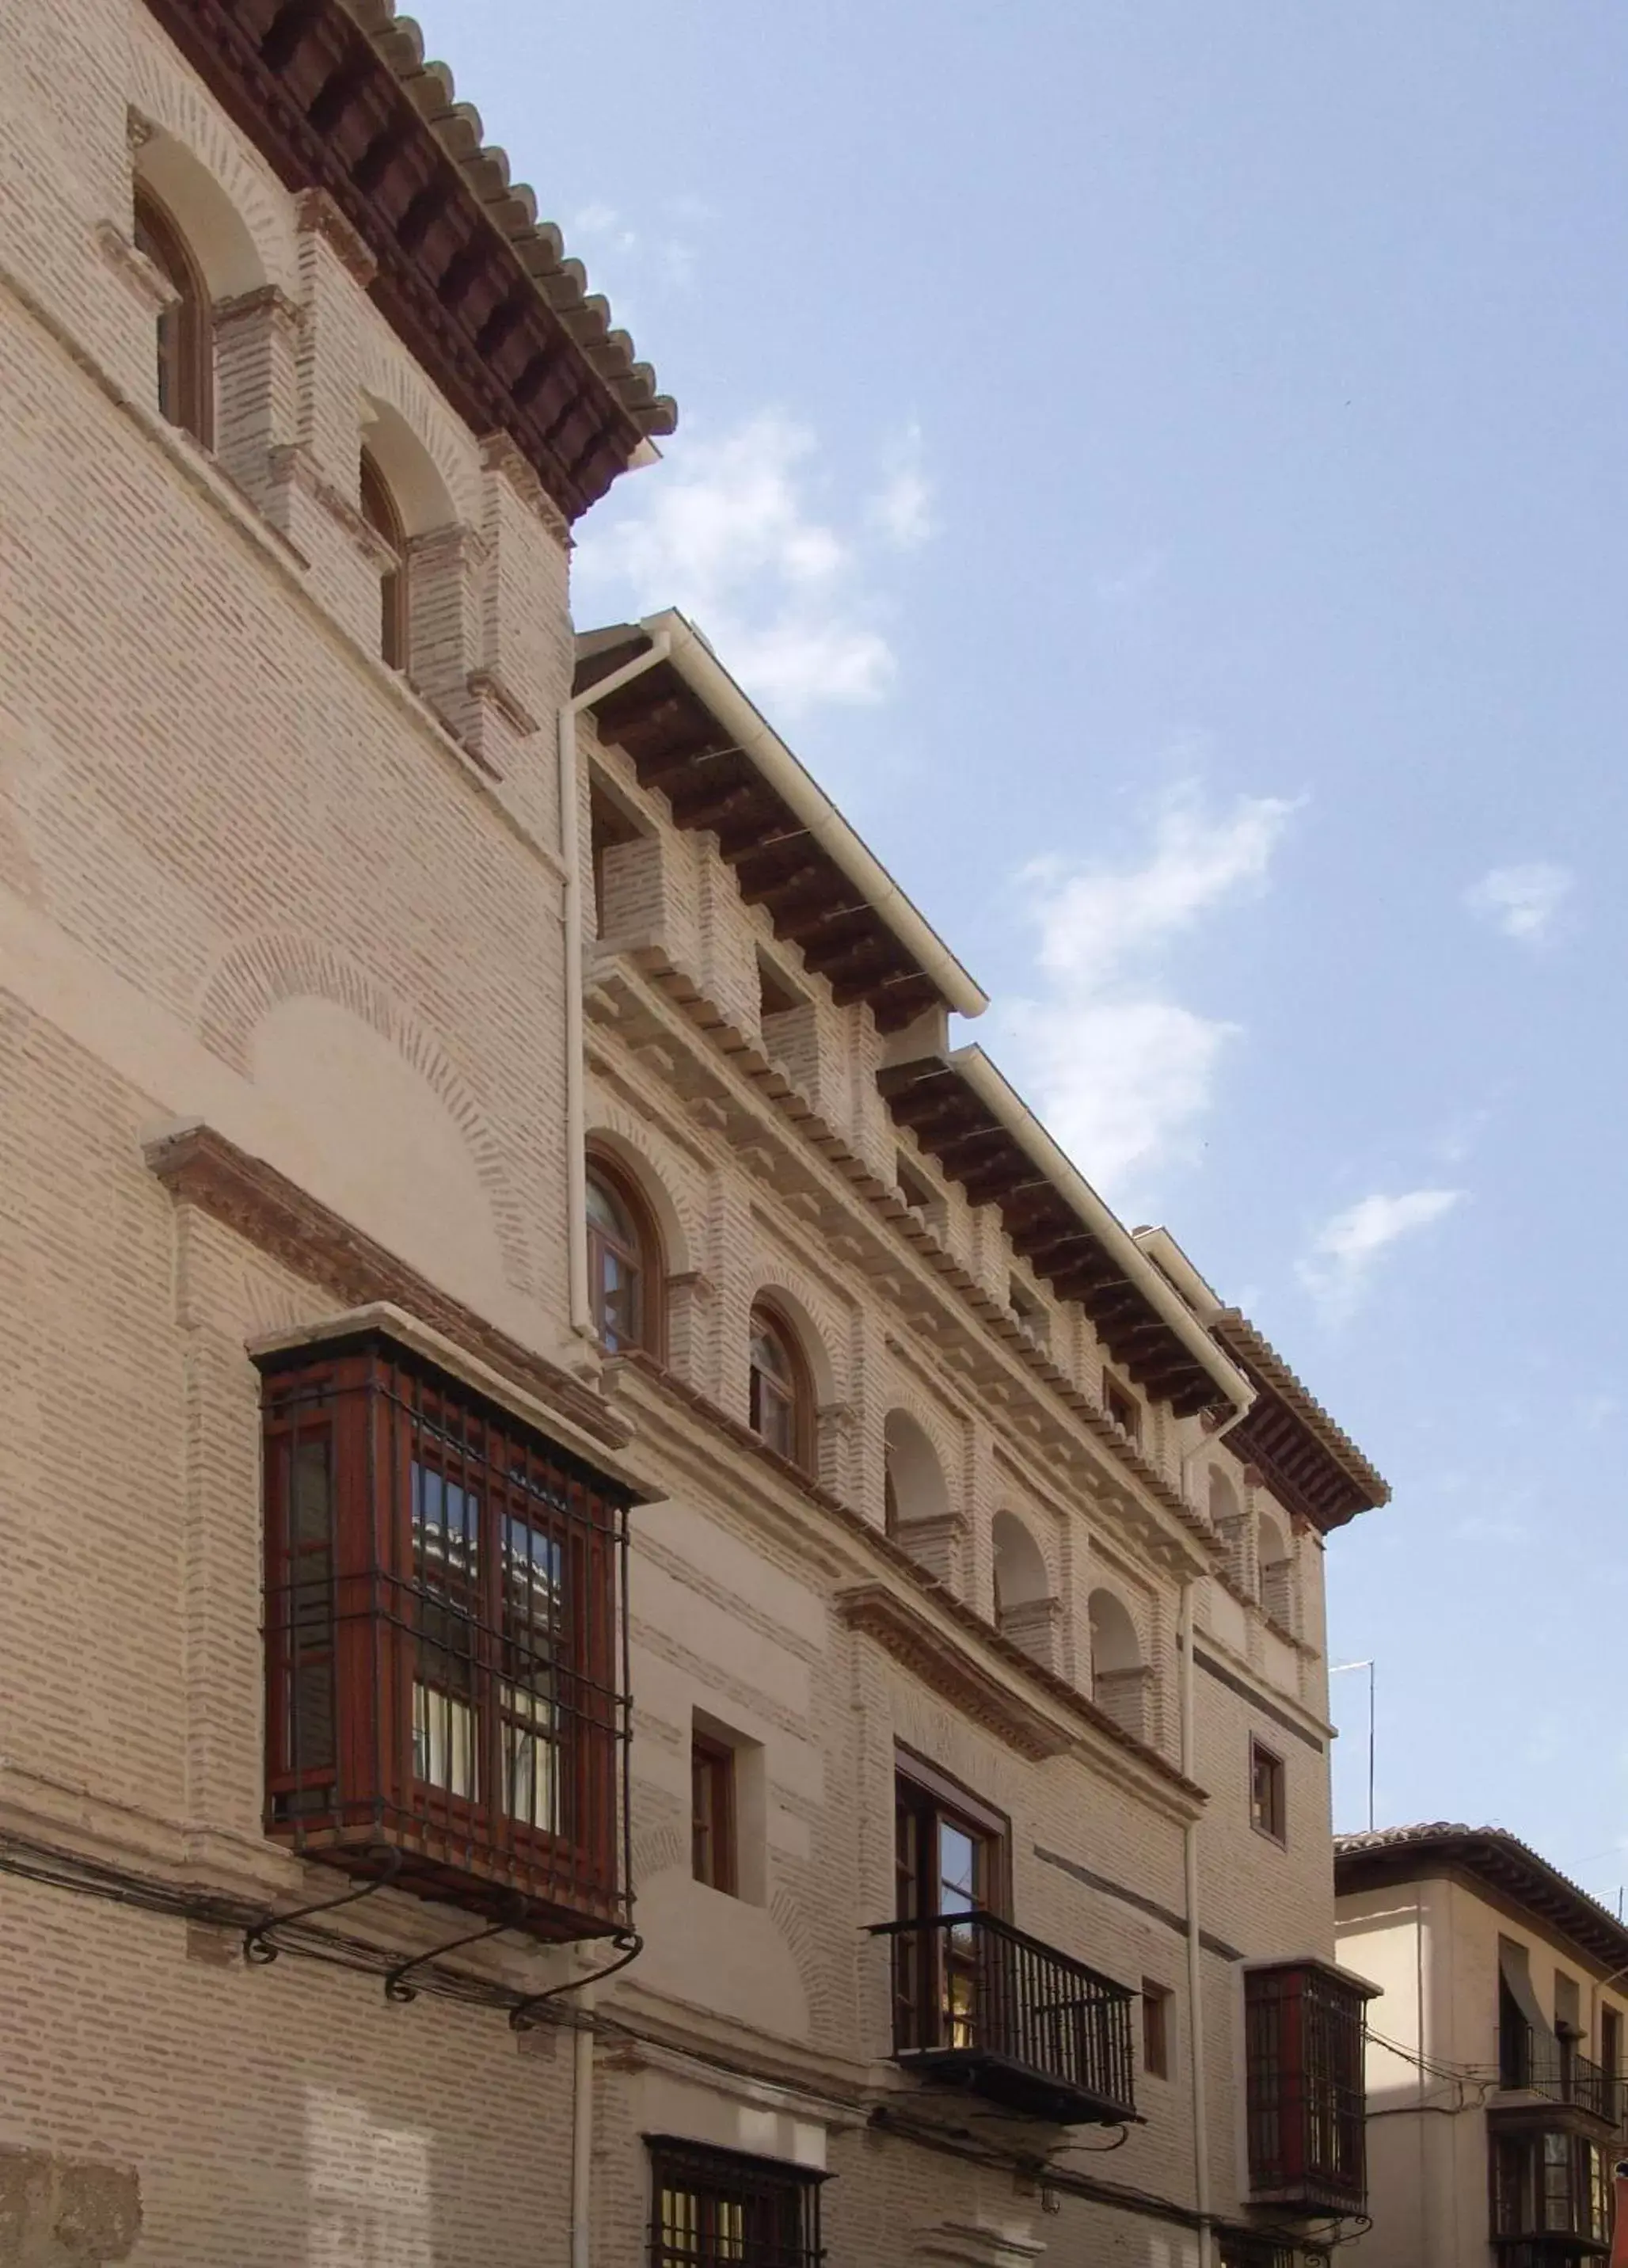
<point>582,2133</point>
<point>1189,1868</point>
<point>575,1065</point>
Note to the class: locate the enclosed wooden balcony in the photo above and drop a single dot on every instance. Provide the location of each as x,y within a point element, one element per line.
<point>446,1702</point>
<point>978,2004</point>
<point>1304,2025</point>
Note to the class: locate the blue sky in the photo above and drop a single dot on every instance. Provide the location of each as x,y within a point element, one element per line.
<point>1164,468</point>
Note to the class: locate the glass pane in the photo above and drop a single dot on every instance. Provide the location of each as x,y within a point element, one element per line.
<point>443,1740</point>
<point>958,1860</point>
<point>606,1215</point>
<point>618,1300</point>
<point>531,1778</point>
<point>767,1354</point>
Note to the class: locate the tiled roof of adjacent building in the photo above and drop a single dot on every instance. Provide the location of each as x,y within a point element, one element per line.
<point>1493,1858</point>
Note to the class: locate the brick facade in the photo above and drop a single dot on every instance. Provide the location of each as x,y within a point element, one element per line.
<point>251,879</point>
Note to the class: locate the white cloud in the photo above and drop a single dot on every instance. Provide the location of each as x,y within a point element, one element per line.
<point>729,534</point>
<point>1346,1250</point>
<point>1123,1071</point>
<point>904,509</point>
<point>1523,902</point>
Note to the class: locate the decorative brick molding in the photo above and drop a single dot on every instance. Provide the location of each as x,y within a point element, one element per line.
<point>259,972</point>
<point>201,1167</point>
<point>317,213</point>
<point>905,1631</point>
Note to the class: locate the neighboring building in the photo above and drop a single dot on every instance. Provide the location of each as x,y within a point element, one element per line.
<point>553,1424</point>
<point>1496,2065</point>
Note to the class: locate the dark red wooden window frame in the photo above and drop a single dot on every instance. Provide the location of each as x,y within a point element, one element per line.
<point>713,1814</point>
<point>1305,2086</point>
<point>362,1608</point>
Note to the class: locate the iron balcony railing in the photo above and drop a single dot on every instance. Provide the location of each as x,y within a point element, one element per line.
<point>985,2005</point>
<point>1535,2062</point>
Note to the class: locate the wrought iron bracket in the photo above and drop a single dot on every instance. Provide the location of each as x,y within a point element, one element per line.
<point>631,1944</point>
<point>257,1946</point>
<point>396,1987</point>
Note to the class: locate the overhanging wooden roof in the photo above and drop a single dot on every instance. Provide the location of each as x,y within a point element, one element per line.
<point>1489,1855</point>
<point>962,1132</point>
<point>682,748</point>
<point>338,96</point>
<point>1310,1465</point>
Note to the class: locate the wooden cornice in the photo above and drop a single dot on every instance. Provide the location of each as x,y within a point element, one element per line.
<point>201,1167</point>
<point>1311,1465</point>
<point>336,96</point>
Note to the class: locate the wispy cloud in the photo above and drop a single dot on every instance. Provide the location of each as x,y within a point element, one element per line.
<point>1122,1070</point>
<point>731,533</point>
<point>1343,1254</point>
<point>903,508</point>
<point>1525,902</point>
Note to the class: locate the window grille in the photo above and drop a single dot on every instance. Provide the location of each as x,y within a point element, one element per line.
<point>445,1640</point>
<point>1306,2104</point>
<point>724,2209</point>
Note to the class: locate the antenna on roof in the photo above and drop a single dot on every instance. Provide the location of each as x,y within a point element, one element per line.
<point>1368,1665</point>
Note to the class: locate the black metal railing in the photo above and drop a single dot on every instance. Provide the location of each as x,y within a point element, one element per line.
<point>1530,2061</point>
<point>1303,2058</point>
<point>976,2000</point>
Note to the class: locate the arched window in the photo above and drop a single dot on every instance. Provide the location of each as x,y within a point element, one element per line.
<point>379,511</point>
<point>1276,1572</point>
<point>186,344</point>
<point>780,1412</point>
<point>1025,1608</point>
<point>624,1268</point>
<point>1119,1678</point>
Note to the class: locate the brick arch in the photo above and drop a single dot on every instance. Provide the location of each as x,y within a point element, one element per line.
<point>162,95</point>
<point>788,1290</point>
<point>258,973</point>
<point>791,1916</point>
<point>625,1142</point>
<point>385,371</point>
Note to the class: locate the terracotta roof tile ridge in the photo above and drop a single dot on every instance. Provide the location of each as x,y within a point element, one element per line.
<point>1232,1322</point>
<point>511,209</point>
<point>1441,1834</point>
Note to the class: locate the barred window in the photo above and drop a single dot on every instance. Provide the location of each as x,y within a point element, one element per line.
<point>445,1639</point>
<point>724,2209</point>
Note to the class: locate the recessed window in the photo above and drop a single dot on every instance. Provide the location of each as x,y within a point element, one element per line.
<point>714,1858</point>
<point>1611,2045</point>
<point>780,1412</point>
<point>950,1858</point>
<point>1267,1800</point>
<point>381,511</point>
<point>776,996</point>
<point>624,1268</point>
<point>1028,1312</point>
<point>609,829</point>
<point>913,1187</point>
<point>1155,2029</point>
<point>711,2207</point>
<point>185,341</point>
<point>1121,1406</point>
<point>442,1632</point>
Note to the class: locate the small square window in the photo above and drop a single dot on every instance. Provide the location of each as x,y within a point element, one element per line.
<point>1155,2029</point>
<point>1267,1805</point>
<point>1121,1406</point>
<point>713,1814</point>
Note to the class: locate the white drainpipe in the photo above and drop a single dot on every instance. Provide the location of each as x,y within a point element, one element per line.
<point>582,2134</point>
<point>582,1321</point>
<point>1189,1868</point>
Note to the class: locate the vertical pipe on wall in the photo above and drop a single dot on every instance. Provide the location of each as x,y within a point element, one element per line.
<point>582,1317</point>
<point>582,2133</point>
<point>1195,1950</point>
